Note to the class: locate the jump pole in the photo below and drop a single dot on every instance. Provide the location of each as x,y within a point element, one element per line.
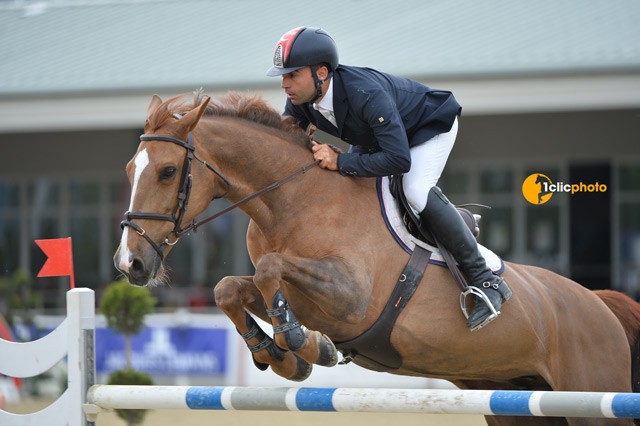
<point>443,401</point>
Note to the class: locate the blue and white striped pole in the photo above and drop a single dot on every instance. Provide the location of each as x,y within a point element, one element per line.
<point>434,401</point>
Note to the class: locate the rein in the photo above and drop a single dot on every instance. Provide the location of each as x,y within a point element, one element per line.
<point>194,225</point>
<point>184,193</point>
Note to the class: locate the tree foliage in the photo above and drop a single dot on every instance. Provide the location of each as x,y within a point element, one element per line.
<point>125,306</point>
<point>129,376</point>
<point>17,297</point>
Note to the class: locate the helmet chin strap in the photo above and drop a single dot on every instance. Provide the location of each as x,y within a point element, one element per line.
<point>318,84</point>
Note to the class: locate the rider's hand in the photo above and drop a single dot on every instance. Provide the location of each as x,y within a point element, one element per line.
<point>326,155</point>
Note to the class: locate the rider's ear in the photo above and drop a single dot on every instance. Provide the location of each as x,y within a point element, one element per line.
<point>322,72</point>
<point>190,119</point>
<point>153,106</point>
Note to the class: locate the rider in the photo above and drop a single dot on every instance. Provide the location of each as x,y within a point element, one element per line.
<point>395,126</point>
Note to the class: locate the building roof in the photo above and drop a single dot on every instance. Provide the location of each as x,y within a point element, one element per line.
<point>92,47</point>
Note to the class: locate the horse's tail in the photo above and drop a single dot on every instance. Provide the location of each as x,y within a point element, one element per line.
<point>627,311</point>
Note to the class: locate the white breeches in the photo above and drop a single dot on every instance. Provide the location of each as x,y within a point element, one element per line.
<point>427,163</point>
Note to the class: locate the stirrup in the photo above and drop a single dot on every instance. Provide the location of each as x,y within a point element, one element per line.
<point>485,299</point>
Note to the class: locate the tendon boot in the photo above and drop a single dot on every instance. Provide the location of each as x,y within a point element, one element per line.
<point>442,220</point>
<point>288,324</point>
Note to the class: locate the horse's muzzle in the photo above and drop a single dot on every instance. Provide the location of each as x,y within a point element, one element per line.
<point>136,269</point>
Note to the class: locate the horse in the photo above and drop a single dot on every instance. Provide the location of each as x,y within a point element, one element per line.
<point>325,265</point>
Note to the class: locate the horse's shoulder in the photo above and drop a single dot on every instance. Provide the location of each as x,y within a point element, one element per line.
<point>257,244</point>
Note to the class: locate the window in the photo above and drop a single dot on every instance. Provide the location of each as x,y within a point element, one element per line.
<point>9,226</point>
<point>496,181</point>
<point>497,231</point>
<point>455,183</point>
<point>543,237</point>
<point>629,229</point>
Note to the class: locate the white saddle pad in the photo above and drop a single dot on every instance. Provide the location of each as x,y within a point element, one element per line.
<point>391,213</point>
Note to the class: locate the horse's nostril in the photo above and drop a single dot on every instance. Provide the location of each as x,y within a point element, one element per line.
<point>137,266</point>
<point>138,274</point>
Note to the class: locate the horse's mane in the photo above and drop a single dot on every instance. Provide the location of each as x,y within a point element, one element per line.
<point>248,107</point>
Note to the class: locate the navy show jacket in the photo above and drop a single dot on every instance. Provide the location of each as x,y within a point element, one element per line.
<point>381,116</point>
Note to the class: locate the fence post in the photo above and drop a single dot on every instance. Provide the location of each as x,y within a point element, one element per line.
<point>81,352</point>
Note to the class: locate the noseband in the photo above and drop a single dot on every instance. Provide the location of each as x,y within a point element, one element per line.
<point>183,195</point>
<point>185,191</point>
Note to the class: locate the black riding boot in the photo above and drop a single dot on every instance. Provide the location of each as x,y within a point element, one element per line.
<point>441,218</point>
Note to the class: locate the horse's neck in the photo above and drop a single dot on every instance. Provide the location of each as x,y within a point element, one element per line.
<point>252,160</point>
<point>319,201</point>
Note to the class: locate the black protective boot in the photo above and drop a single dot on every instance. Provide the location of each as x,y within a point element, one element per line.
<point>441,218</point>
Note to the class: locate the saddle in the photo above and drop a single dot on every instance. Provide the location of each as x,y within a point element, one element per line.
<point>413,223</point>
<point>373,349</point>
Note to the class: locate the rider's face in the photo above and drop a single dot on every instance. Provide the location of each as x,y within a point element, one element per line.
<point>299,86</point>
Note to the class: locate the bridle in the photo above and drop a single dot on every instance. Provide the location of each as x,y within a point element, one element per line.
<point>184,193</point>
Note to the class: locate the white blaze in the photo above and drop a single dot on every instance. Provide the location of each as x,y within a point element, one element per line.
<point>140,163</point>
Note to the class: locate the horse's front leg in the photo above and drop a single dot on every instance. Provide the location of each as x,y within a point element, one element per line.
<point>324,287</point>
<point>236,295</point>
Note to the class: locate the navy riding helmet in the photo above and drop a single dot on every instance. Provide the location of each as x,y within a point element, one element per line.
<point>301,47</point>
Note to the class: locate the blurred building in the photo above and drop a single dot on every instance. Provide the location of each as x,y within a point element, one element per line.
<point>546,87</point>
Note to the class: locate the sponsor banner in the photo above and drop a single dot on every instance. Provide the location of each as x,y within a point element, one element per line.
<point>165,351</point>
<point>172,344</point>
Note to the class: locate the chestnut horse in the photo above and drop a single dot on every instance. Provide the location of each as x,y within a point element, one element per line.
<point>326,264</point>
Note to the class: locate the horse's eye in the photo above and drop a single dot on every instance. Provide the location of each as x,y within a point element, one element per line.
<point>167,173</point>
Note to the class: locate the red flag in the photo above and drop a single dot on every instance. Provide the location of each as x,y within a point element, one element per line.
<point>60,258</point>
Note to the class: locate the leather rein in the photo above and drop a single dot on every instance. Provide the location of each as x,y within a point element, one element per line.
<point>184,194</point>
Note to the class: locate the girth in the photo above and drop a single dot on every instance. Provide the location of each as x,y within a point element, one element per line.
<point>373,349</point>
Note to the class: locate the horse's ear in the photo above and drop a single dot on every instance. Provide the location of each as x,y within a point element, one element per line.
<point>153,106</point>
<point>190,119</point>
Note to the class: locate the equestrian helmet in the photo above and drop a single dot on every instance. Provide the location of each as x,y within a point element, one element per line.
<point>301,47</point>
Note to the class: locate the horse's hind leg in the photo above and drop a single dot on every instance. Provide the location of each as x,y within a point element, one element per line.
<point>592,355</point>
<point>233,295</point>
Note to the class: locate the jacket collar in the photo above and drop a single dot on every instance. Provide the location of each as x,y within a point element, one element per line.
<point>326,102</point>
<point>339,100</point>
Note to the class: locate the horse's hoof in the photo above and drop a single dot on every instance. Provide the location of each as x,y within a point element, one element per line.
<point>303,370</point>
<point>328,353</point>
<point>260,365</point>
